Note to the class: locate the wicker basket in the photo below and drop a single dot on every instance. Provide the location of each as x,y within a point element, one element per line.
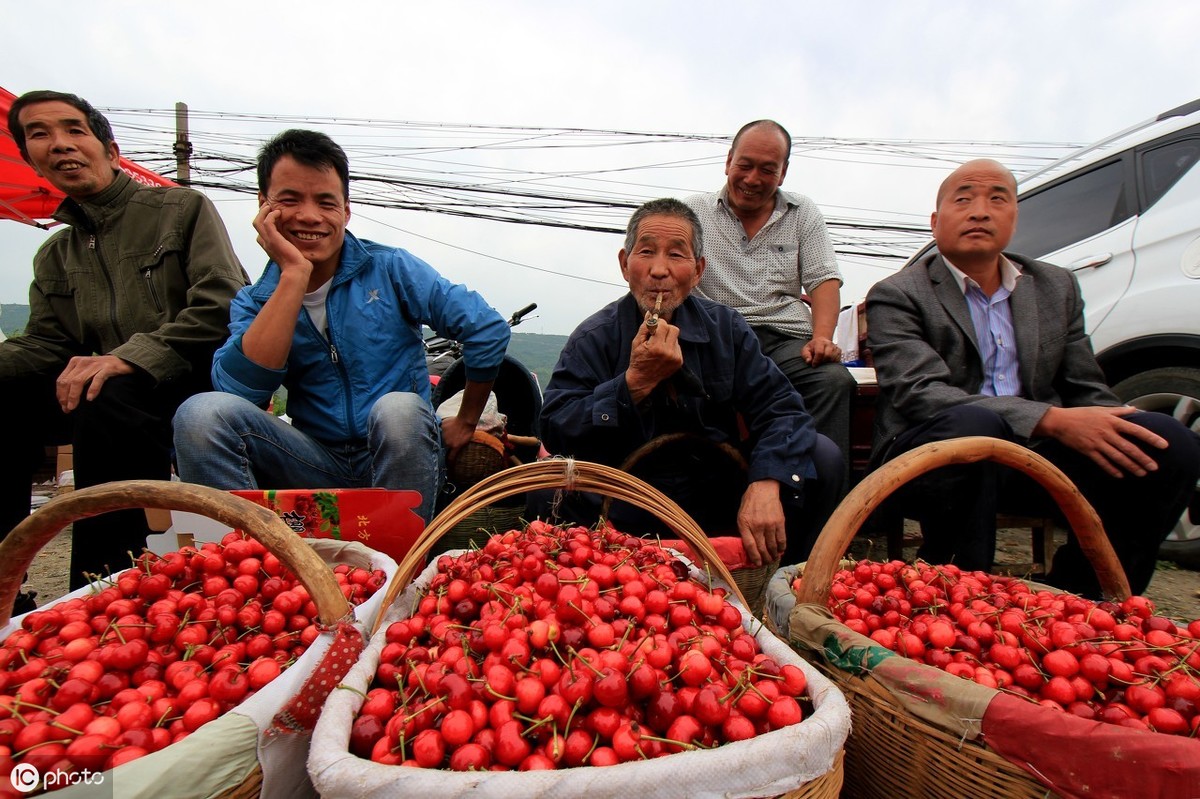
<point>891,752</point>
<point>482,457</point>
<point>596,478</point>
<point>18,550</point>
<point>552,474</point>
<point>474,531</point>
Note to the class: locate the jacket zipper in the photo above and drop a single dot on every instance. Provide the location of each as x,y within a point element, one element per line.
<point>150,283</point>
<point>153,291</point>
<point>333,356</point>
<point>341,372</point>
<point>112,289</point>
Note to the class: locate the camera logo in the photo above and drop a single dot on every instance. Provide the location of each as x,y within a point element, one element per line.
<point>25,777</point>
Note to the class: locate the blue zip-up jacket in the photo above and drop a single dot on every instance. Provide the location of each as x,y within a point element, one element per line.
<point>379,299</point>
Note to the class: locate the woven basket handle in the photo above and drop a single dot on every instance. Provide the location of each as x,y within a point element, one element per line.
<point>18,550</point>
<point>583,476</point>
<point>845,522</point>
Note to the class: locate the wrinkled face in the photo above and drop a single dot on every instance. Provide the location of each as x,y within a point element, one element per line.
<point>755,170</point>
<point>63,149</point>
<point>661,262</point>
<point>313,210</point>
<point>977,212</point>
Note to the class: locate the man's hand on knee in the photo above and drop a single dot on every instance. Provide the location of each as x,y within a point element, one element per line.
<point>821,349</point>
<point>761,522</point>
<point>1102,434</point>
<point>87,371</point>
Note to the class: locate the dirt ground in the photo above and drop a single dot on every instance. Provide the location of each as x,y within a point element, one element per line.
<point>1175,591</point>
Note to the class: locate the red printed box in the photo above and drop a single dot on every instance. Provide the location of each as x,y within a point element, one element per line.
<point>379,518</point>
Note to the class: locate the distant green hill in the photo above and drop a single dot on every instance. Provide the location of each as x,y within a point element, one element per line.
<point>537,352</point>
<point>13,318</point>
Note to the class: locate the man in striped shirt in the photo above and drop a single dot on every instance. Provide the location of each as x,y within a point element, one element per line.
<point>969,340</point>
<point>766,249</point>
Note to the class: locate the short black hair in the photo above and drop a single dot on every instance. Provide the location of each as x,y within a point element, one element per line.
<point>309,148</point>
<point>666,206</point>
<point>95,120</point>
<point>787,137</point>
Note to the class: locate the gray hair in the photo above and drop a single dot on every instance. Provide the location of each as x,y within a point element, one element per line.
<point>666,206</point>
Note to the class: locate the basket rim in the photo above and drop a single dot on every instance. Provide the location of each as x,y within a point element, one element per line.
<point>877,486</point>
<point>568,474</point>
<point>22,545</point>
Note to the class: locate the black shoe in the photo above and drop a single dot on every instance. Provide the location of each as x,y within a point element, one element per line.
<point>24,602</point>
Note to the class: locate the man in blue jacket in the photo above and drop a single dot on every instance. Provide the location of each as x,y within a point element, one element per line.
<point>337,321</point>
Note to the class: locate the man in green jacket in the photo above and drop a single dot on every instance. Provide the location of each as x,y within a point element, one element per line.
<point>128,304</point>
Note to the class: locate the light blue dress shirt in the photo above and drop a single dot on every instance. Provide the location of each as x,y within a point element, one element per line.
<point>992,317</point>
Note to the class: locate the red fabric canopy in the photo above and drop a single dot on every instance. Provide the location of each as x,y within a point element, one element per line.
<point>28,198</point>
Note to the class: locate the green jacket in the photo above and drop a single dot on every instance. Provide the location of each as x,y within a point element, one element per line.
<point>143,273</point>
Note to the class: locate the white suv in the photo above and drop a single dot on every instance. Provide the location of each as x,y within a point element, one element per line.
<point>1124,215</point>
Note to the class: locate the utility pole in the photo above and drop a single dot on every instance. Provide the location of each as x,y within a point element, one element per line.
<point>183,146</point>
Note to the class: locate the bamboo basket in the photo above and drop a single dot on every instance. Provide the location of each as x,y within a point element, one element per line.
<point>552,474</point>
<point>18,550</point>
<point>891,752</point>
<point>483,456</point>
<point>600,479</point>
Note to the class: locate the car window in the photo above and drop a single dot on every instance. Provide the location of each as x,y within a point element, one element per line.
<point>1163,166</point>
<point>1072,210</point>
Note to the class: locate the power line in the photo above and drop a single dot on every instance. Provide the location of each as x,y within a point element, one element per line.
<point>492,257</point>
<point>537,176</point>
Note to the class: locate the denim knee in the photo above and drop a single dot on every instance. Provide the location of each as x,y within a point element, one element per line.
<point>399,414</point>
<point>404,437</point>
<point>202,415</point>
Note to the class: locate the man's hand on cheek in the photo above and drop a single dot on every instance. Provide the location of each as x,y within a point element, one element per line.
<point>267,223</point>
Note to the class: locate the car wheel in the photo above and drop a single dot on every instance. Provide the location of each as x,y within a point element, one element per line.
<point>1174,391</point>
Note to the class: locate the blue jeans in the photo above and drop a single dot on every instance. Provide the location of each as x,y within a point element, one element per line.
<point>227,442</point>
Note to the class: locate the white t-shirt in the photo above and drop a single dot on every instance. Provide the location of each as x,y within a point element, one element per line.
<point>314,303</point>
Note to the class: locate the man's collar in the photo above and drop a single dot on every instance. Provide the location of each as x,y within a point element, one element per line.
<point>88,211</point>
<point>1008,275</point>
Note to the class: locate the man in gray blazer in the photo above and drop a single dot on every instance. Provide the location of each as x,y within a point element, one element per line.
<point>969,340</point>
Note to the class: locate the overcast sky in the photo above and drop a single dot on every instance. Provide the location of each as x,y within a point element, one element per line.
<point>1006,71</point>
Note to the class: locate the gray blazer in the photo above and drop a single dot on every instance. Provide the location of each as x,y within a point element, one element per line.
<point>927,356</point>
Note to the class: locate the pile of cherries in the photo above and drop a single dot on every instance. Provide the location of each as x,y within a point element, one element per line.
<point>552,648</point>
<point>1117,663</point>
<point>147,658</point>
